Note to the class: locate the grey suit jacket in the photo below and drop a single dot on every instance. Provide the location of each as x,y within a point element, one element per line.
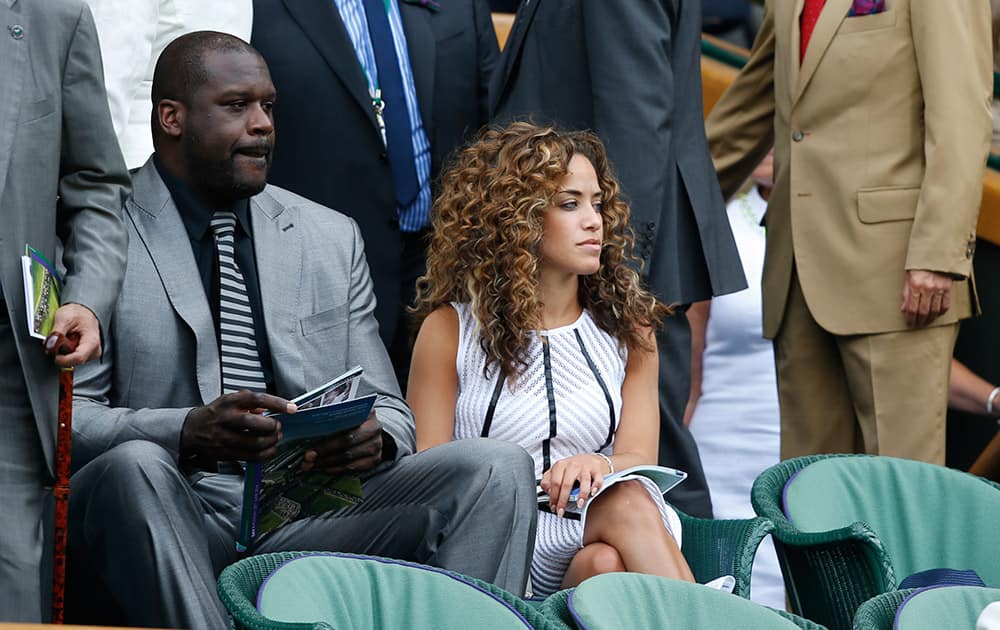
<point>630,71</point>
<point>61,174</point>
<point>163,356</point>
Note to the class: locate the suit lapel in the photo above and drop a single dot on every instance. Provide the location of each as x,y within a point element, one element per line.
<point>161,230</point>
<point>512,49</point>
<point>277,244</point>
<point>420,45</point>
<point>321,22</point>
<point>13,69</point>
<point>833,14</point>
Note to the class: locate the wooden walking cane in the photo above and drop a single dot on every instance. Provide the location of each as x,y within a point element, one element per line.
<point>60,490</point>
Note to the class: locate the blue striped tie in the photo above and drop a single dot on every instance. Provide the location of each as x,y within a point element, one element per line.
<point>398,132</point>
<point>238,347</point>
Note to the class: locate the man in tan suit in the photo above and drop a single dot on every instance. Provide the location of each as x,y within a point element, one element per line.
<point>880,116</point>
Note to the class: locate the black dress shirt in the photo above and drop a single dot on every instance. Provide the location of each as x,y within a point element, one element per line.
<point>196,213</point>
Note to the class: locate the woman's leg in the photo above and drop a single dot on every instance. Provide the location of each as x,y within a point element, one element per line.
<point>626,518</point>
<point>594,559</point>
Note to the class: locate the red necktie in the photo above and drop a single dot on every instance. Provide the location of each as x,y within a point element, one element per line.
<point>810,15</point>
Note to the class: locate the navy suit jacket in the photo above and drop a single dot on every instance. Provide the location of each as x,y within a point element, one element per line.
<point>328,145</point>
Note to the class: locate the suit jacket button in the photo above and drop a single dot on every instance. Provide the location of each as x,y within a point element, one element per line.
<point>383,156</point>
<point>797,135</point>
<point>650,226</point>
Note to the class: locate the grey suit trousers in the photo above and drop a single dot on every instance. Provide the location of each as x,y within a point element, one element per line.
<point>23,481</point>
<point>158,539</point>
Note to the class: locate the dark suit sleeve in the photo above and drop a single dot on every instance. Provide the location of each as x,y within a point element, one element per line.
<point>633,86</point>
<point>489,55</point>
<point>93,180</point>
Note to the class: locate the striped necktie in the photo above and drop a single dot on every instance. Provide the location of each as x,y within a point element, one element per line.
<point>238,348</point>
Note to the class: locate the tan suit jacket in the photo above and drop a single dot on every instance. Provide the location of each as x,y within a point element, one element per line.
<point>880,136</point>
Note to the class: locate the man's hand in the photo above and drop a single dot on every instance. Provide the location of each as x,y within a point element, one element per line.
<point>75,320</point>
<point>349,452</point>
<point>926,296</point>
<point>231,427</point>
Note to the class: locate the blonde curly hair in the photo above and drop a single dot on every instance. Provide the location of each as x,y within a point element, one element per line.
<point>487,230</point>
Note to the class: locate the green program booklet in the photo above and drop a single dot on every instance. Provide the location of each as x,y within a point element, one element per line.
<point>41,292</point>
<point>278,491</point>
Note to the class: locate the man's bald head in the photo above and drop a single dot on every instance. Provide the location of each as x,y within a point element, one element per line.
<point>180,70</point>
<point>213,121</point>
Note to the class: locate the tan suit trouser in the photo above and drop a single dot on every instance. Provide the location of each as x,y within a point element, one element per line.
<point>884,394</point>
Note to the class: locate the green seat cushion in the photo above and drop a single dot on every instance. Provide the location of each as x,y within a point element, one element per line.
<point>614,601</point>
<point>926,516</point>
<point>362,592</point>
<point>944,607</point>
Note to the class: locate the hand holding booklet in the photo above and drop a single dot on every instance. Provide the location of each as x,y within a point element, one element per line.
<point>279,491</point>
<point>664,478</point>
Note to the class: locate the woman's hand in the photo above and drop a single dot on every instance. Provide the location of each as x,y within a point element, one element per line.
<point>587,470</point>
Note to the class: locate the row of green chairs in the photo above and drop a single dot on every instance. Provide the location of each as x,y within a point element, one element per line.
<point>324,591</point>
<point>849,528</point>
<point>712,548</point>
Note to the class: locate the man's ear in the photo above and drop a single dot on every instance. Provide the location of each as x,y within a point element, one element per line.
<point>170,116</point>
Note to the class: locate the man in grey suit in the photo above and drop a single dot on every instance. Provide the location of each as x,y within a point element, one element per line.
<point>156,503</point>
<point>629,70</point>
<point>61,175</point>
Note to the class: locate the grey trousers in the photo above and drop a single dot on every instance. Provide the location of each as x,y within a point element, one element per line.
<point>159,541</point>
<point>23,492</point>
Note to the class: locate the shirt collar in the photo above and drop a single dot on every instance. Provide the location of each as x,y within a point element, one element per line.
<point>196,211</point>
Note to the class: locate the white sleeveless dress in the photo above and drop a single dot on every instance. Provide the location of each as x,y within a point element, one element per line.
<point>572,411</point>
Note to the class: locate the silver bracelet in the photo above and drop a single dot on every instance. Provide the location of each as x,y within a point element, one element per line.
<point>990,399</point>
<point>611,466</point>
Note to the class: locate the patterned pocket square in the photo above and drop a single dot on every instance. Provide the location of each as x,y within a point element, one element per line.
<point>866,7</point>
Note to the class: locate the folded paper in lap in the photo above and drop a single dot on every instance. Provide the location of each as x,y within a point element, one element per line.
<point>278,491</point>
<point>665,479</point>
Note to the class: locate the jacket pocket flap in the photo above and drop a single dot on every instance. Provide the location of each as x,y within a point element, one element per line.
<point>877,205</point>
<point>323,320</point>
<point>35,110</point>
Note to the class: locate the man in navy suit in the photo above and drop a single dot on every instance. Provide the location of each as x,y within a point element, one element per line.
<point>421,69</point>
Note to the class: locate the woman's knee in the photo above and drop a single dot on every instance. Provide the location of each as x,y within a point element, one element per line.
<point>627,504</point>
<point>598,558</point>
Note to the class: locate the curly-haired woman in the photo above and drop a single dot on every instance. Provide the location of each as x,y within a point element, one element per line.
<point>536,331</point>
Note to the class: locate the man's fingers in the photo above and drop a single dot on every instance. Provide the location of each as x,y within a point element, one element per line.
<point>251,423</point>
<point>257,400</point>
<point>88,349</point>
<point>923,309</point>
<point>253,447</point>
<point>332,451</point>
<point>936,306</point>
<point>355,467</point>
<point>344,440</point>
